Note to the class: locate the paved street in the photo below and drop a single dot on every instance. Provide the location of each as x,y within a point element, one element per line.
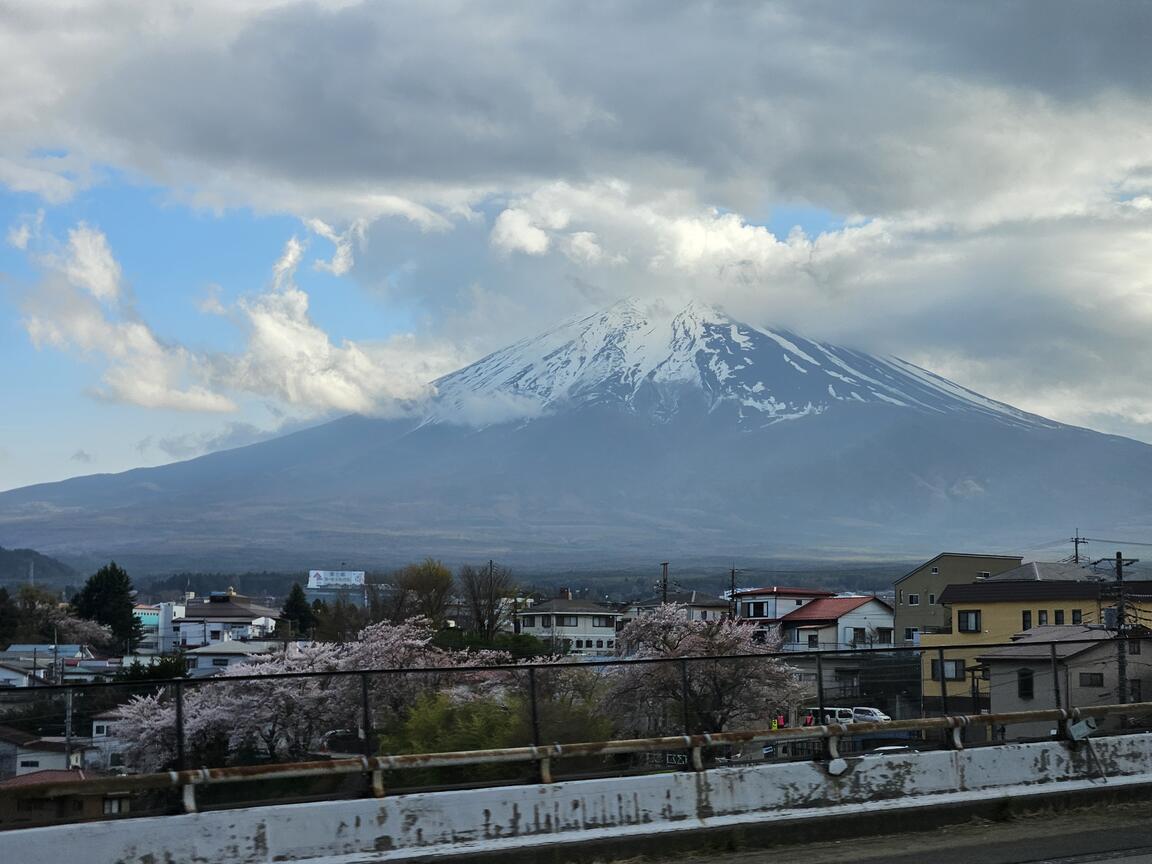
<point>1118,834</point>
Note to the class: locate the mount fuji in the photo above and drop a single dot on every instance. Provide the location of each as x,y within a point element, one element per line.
<point>632,433</point>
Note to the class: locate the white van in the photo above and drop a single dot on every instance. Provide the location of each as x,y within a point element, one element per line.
<point>870,715</point>
<point>831,715</point>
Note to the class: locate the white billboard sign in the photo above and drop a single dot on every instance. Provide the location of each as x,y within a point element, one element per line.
<point>335,578</point>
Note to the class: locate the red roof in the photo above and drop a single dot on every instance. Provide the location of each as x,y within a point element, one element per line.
<point>828,609</point>
<point>48,775</point>
<point>791,592</point>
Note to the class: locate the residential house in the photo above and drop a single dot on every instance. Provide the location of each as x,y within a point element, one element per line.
<point>918,608</point>
<point>20,673</point>
<point>107,750</point>
<point>1020,676</point>
<point>838,623</point>
<point>698,606</point>
<point>23,753</point>
<point>34,806</point>
<point>584,628</point>
<point>765,607</point>
<point>989,612</point>
<point>208,660</point>
<point>224,616</point>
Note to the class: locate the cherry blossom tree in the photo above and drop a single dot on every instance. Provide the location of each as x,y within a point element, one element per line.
<point>286,718</point>
<point>722,693</point>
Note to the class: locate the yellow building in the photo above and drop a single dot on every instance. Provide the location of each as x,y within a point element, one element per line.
<point>990,612</point>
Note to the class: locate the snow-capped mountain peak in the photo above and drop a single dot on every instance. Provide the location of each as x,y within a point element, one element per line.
<point>652,359</point>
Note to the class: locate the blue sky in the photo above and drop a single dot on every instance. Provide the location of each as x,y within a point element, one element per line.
<point>263,214</point>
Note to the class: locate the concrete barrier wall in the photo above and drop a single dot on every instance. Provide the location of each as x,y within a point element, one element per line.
<point>443,823</point>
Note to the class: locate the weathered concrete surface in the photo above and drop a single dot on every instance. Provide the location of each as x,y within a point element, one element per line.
<point>479,822</point>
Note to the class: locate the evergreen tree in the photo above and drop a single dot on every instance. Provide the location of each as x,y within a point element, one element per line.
<point>107,598</point>
<point>298,616</point>
<point>9,618</point>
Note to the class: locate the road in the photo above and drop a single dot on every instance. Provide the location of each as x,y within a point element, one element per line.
<point>1117,834</point>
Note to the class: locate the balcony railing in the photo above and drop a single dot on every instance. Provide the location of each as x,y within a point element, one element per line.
<point>833,646</point>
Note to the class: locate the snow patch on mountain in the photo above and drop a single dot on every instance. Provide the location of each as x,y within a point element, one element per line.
<point>646,358</point>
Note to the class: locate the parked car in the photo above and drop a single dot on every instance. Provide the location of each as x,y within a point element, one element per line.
<point>870,715</point>
<point>831,715</point>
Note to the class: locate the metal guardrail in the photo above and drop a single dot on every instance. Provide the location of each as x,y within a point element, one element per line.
<point>375,766</point>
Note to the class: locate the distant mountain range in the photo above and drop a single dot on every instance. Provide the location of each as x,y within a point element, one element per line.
<point>633,434</point>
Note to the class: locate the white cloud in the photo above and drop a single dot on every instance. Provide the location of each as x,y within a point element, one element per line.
<point>289,358</point>
<point>342,256</point>
<point>515,232</point>
<point>89,264</point>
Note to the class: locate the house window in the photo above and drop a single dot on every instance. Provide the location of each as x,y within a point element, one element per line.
<point>761,609</point>
<point>219,661</point>
<point>1059,616</point>
<point>1077,616</point>
<point>1091,679</point>
<point>884,635</point>
<point>931,599</point>
<point>599,643</point>
<point>1134,694</point>
<point>602,621</point>
<point>910,633</point>
<point>113,806</point>
<point>935,571</point>
<point>567,621</point>
<point>913,599</point>
<point>190,663</point>
<point>813,640</point>
<point>703,614</point>
<point>1042,618</point>
<point>1026,619</point>
<point>29,763</point>
<point>1134,647</point>
<point>579,643</point>
<point>545,620</point>
<point>214,635</point>
<point>100,729</point>
<point>900,597</point>
<point>1025,688</point>
<point>611,643</point>
<point>528,621</point>
<point>968,620</point>
<point>983,574</point>
<point>953,670</point>
<point>799,602</point>
<point>859,635</point>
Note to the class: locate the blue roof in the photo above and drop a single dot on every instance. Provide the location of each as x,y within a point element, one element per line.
<point>47,648</point>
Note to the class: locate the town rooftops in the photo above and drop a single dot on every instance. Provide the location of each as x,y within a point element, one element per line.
<point>1033,644</point>
<point>920,567</point>
<point>688,598</point>
<point>1007,592</point>
<point>47,775</point>
<point>1043,571</point>
<point>562,606</point>
<point>786,592</point>
<point>235,647</point>
<point>43,649</point>
<point>225,607</point>
<point>829,609</point>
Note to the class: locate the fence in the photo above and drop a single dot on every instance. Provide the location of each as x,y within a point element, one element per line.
<point>369,722</point>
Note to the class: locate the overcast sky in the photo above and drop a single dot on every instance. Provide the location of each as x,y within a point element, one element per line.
<point>226,218</point>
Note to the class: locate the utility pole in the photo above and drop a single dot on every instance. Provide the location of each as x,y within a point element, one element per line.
<point>733,604</point>
<point>1121,632</point>
<point>1076,543</point>
<point>664,582</point>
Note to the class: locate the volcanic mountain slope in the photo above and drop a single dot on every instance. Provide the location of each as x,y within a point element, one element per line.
<point>621,436</point>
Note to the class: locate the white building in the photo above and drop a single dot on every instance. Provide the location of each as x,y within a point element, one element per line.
<point>211,659</point>
<point>698,606</point>
<point>224,616</point>
<point>21,753</point>
<point>838,623</point>
<point>584,628</point>
<point>161,635</point>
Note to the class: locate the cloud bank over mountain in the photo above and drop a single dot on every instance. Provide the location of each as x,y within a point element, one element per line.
<point>968,188</point>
